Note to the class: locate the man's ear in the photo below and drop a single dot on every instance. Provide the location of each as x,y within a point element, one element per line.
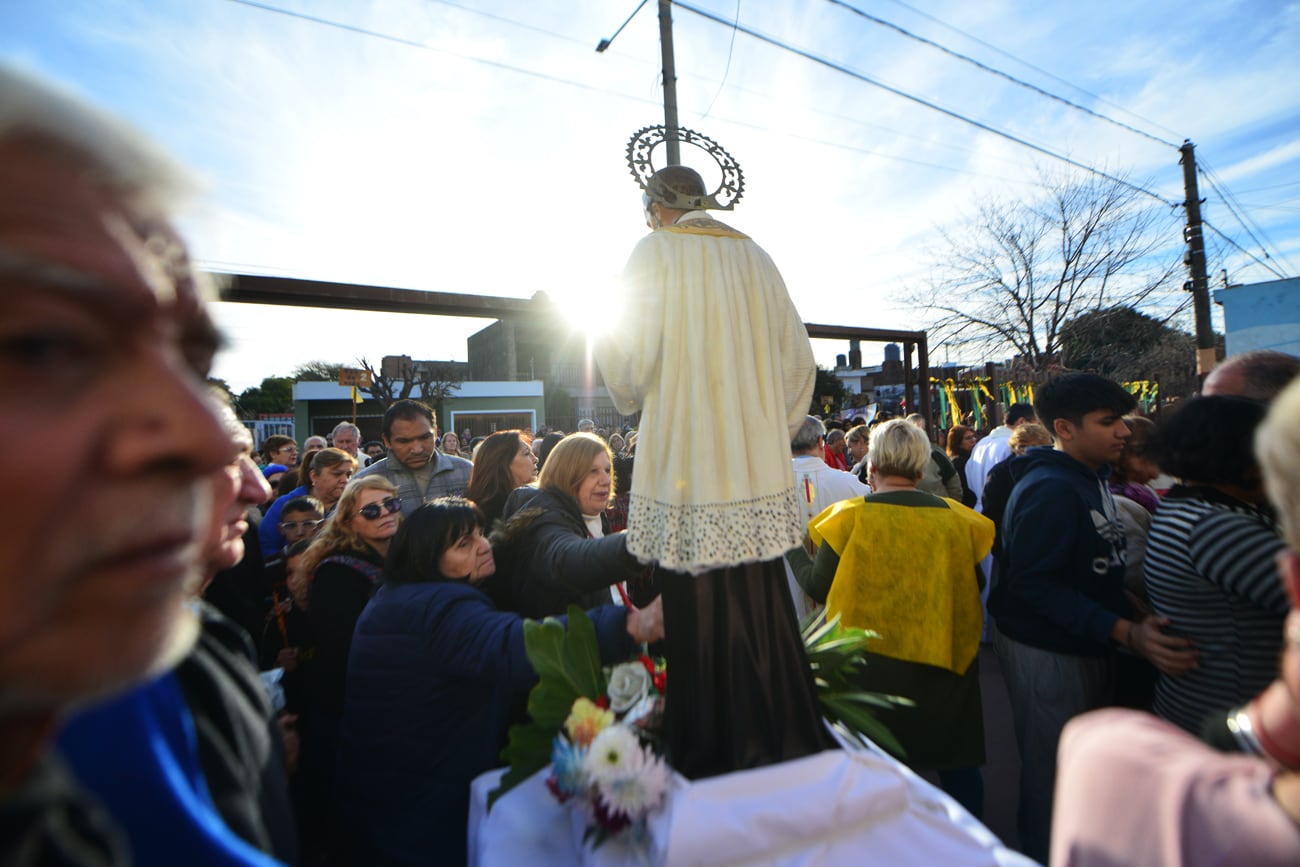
<point>1288,569</point>
<point>1062,429</point>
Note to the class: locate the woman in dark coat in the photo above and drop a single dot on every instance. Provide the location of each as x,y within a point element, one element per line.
<point>434,673</point>
<point>344,565</point>
<point>961,440</point>
<point>502,462</point>
<point>554,548</point>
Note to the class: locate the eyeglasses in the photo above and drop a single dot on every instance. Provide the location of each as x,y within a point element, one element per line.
<point>374,510</point>
<point>292,526</point>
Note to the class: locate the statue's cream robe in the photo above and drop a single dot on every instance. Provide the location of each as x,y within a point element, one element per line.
<point>708,345</point>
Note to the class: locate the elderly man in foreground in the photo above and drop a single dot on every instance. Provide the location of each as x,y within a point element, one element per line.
<point>104,346</point>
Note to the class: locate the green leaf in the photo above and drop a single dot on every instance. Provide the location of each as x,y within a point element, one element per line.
<point>567,662</point>
<point>835,655</point>
<point>526,753</point>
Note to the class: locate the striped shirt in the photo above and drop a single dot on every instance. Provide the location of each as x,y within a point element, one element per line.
<point>1210,568</point>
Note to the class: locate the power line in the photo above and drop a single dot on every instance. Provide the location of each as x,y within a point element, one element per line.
<point>807,55</point>
<point>420,45</point>
<point>513,22</point>
<point>1231,202</point>
<point>1028,65</point>
<point>411,43</point>
<point>726,69</point>
<point>1011,78</point>
<point>868,152</point>
<point>1271,187</point>
<point>1269,265</point>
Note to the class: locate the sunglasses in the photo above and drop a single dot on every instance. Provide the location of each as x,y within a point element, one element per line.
<point>374,510</point>
<point>291,526</point>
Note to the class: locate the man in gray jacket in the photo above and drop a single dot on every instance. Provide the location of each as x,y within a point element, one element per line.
<point>414,464</point>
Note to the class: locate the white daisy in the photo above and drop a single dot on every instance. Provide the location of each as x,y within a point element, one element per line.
<point>629,777</point>
<point>613,754</point>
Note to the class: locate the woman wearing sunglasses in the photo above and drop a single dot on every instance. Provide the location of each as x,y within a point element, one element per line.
<point>344,566</point>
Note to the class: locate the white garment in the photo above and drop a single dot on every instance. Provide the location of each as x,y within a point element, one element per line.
<point>1136,521</point>
<point>596,529</point>
<point>707,331</point>
<point>987,454</point>
<point>827,808</point>
<point>818,486</point>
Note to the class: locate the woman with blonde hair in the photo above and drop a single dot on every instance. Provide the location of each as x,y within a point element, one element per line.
<point>343,566</point>
<point>554,548</point>
<point>906,564</point>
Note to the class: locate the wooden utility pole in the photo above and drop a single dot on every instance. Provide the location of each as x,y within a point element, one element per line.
<point>670,81</point>
<point>1198,282</point>
<point>669,73</point>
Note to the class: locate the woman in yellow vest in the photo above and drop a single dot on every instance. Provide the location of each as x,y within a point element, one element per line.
<point>906,564</point>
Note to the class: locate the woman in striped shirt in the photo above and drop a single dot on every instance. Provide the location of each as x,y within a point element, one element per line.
<point>1210,560</point>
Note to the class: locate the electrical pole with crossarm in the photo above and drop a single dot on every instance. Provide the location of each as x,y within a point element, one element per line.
<point>1198,282</point>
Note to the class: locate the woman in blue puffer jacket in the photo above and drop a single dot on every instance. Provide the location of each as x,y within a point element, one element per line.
<point>434,673</point>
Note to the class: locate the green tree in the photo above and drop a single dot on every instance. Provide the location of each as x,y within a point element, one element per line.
<point>1127,345</point>
<point>224,387</point>
<point>828,390</point>
<point>316,371</point>
<point>274,395</point>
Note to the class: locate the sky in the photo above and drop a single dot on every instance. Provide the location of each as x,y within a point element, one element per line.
<point>479,146</point>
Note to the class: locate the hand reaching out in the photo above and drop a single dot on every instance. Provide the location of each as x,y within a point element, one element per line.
<point>646,625</point>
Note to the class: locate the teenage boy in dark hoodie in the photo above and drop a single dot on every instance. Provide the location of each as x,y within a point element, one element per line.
<point>1059,604</point>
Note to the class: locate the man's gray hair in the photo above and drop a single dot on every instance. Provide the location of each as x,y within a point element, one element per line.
<point>122,157</point>
<point>809,435</point>
<point>346,425</point>
<point>1263,374</point>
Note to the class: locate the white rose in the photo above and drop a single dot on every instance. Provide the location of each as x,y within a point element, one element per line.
<point>628,684</point>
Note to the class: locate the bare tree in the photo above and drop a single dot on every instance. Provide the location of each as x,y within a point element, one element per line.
<point>1022,269</point>
<point>399,377</point>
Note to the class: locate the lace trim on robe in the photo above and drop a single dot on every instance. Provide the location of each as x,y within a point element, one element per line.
<point>697,538</point>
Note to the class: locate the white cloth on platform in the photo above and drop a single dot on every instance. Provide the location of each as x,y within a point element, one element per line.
<point>839,806</point>
<point>709,346</point>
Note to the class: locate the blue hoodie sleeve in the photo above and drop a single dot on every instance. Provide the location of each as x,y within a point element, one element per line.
<point>1048,553</point>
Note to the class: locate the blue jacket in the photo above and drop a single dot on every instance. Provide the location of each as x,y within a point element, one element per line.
<point>434,674</point>
<point>1061,575</point>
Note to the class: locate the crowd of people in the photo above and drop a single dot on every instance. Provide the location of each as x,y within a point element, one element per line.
<point>196,668</point>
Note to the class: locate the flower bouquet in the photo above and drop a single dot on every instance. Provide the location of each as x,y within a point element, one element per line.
<point>597,727</point>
